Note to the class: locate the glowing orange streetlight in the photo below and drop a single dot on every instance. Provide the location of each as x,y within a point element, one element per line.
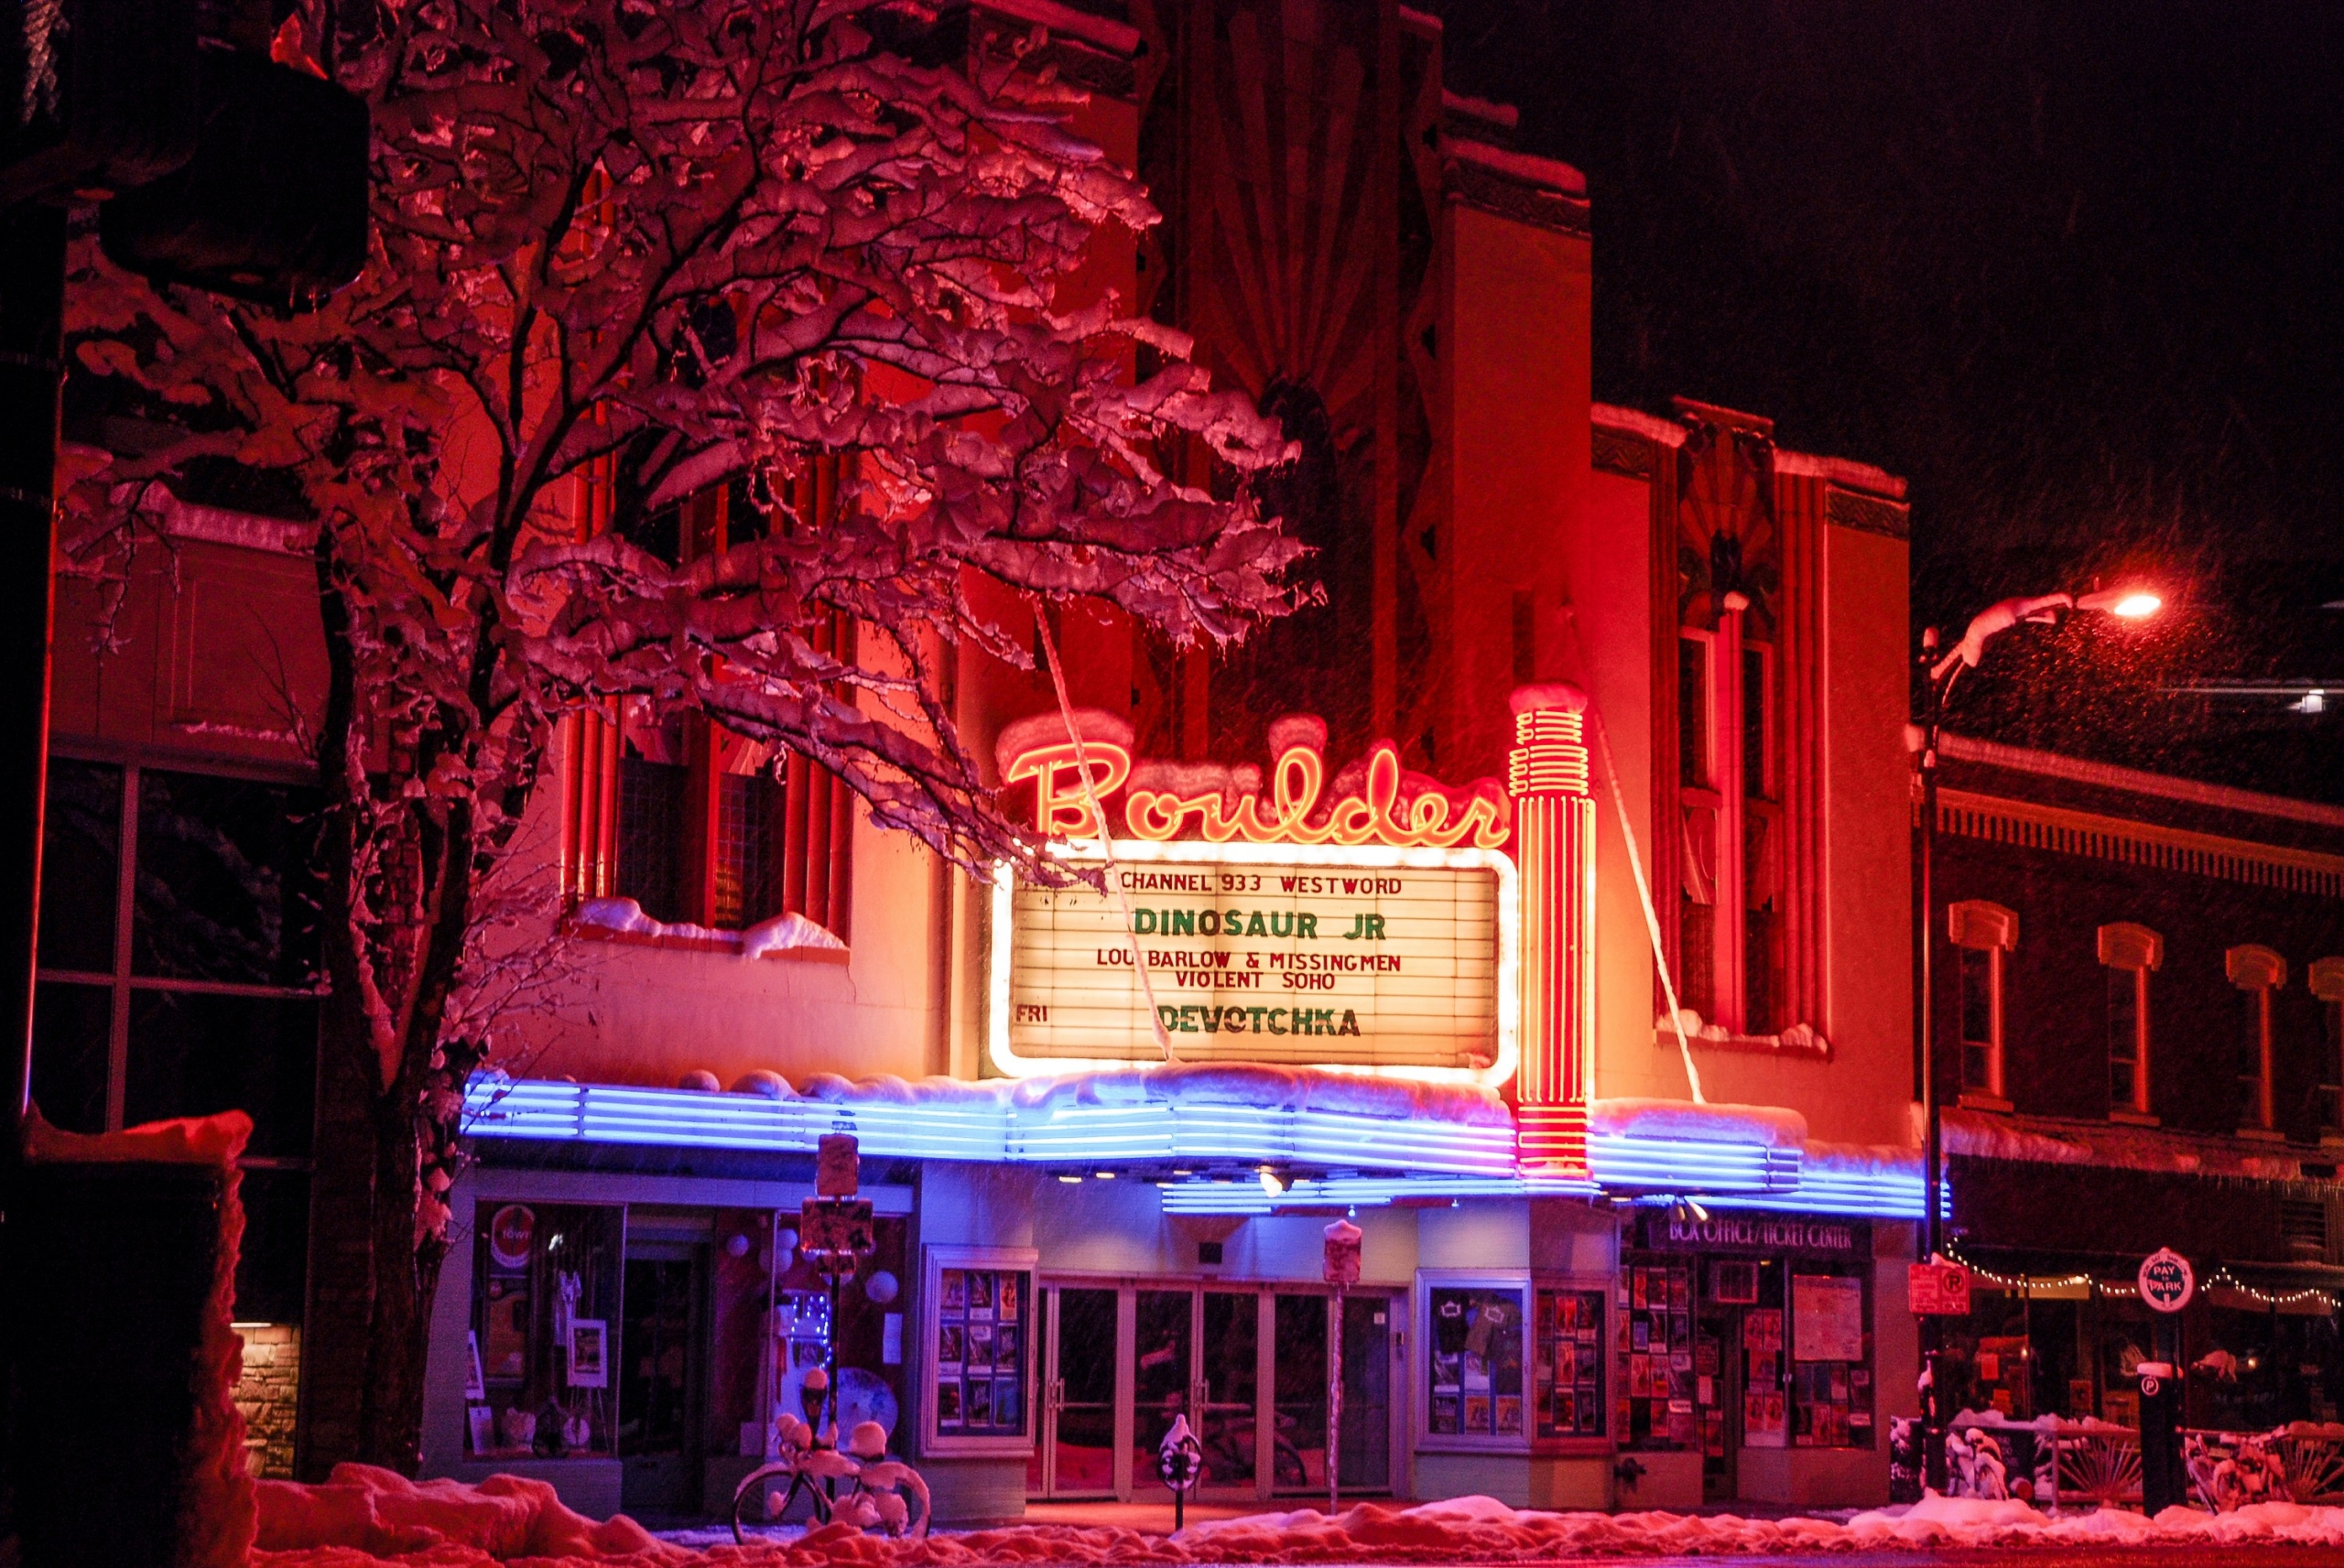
<point>1940,672</point>
<point>2133,603</point>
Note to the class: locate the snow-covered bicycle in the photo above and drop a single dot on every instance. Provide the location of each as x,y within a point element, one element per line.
<point>881,1493</point>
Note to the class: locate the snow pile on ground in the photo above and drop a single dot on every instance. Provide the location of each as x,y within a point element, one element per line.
<point>364,1516</point>
<point>1970,1521</point>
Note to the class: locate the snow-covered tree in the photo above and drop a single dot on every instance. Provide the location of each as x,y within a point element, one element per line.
<point>644,249</point>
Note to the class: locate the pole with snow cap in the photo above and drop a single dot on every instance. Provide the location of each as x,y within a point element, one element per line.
<point>1554,843</point>
<point>1340,1269</point>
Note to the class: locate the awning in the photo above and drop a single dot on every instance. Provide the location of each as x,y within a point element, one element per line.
<point>1226,1140</point>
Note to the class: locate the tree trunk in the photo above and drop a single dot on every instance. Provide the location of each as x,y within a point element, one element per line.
<point>390,1422</point>
<point>377,1262</point>
<point>374,1273</point>
<point>342,1252</point>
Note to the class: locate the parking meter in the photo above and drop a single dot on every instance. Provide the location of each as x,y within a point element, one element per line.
<point>2164,1482</point>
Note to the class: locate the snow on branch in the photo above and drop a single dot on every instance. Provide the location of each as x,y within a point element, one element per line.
<point>643,252</point>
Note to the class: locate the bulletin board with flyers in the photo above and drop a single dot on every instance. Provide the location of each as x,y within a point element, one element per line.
<point>1653,1338</point>
<point>1779,1334</point>
<point>1568,1390</point>
<point>976,1314</point>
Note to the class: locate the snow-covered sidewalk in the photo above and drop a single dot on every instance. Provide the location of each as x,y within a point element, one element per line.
<point>365,1517</point>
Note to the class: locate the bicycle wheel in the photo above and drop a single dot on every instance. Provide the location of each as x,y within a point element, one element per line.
<point>749,1498</point>
<point>899,1494</point>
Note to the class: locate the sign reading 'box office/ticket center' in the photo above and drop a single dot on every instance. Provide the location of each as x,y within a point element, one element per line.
<point>1288,962</point>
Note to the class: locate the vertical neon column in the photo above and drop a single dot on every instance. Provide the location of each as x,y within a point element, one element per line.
<point>1554,838</point>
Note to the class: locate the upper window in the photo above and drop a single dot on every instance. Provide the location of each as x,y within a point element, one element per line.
<point>2326,976</point>
<point>1757,721</point>
<point>1693,762</point>
<point>1983,935</point>
<point>700,826</point>
<point>711,832</point>
<point>2256,971</point>
<point>2130,953</point>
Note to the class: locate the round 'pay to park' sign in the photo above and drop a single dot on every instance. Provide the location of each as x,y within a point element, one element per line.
<point>2165,1281</point>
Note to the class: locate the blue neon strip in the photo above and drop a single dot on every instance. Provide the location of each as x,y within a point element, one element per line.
<point>982,1130</point>
<point>1669,1165</point>
<point>1444,1159</point>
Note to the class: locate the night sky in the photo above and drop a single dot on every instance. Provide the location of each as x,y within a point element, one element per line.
<point>2073,270</point>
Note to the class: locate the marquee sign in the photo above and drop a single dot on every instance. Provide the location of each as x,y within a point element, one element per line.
<point>1375,931</point>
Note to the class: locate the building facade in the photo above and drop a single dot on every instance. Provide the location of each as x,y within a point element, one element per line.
<point>1592,688</point>
<point>2145,981</point>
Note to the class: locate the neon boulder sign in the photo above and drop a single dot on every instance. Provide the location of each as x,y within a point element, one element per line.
<point>1165,801</point>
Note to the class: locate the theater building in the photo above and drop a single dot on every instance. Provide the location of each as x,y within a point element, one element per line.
<point>1374,936</point>
<point>2147,990</point>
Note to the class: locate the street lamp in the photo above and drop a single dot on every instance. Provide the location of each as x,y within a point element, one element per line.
<point>1939,672</point>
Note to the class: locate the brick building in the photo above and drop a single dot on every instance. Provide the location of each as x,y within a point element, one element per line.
<point>2146,986</point>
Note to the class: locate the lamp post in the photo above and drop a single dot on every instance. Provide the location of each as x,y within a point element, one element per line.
<point>1939,672</point>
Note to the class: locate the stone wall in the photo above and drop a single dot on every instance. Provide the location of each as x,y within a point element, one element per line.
<point>268,1394</point>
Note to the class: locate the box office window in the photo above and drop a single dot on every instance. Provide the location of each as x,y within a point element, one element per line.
<point>1738,1344</point>
<point>1476,1362</point>
<point>546,1311</point>
<point>1830,1396</point>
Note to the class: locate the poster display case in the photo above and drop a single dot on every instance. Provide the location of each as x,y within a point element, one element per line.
<point>1475,1331</point>
<point>976,1316</point>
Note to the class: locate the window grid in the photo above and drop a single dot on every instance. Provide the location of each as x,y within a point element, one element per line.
<point>746,806</point>
<point>651,805</point>
<point>1981,1020</point>
<point>2255,1107</point>
<point>122,980</point>
<point>2331,1072</point>
<point>2128,1039</point>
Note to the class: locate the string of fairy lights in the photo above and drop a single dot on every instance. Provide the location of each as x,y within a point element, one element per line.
<point>2221,1277</point>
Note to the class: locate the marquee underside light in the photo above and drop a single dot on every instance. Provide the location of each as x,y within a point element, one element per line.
<point>1368,1161</point>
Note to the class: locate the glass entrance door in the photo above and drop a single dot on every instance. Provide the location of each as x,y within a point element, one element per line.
<point>1228,1389</point>
<point>1298,1418</point>
<point>1163,1324</point>
<point>1717,1400</point>
<point>1247,1364</point>
<point>662,1342</point>
<point>1365,1448</point>
<point>1077,1454</point>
